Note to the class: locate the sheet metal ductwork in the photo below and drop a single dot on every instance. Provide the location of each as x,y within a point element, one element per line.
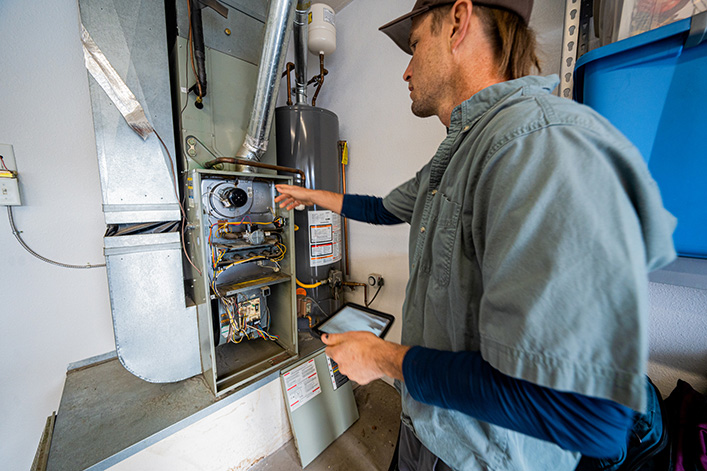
<point>301,29</point>
<point>156,335</point>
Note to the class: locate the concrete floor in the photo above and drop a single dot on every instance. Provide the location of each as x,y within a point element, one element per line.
<point>367,446</point>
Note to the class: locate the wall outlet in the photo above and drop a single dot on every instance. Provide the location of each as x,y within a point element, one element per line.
<point>374,279</point>
<point>9,184</point>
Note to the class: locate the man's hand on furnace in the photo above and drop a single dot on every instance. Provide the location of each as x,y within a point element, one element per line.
<point>291,196</point>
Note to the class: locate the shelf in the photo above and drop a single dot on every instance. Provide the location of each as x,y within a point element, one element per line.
<point>233,288</point>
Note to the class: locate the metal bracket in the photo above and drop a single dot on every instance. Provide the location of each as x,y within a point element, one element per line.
<point>586,12</point>
<point>698,30</point>
<point>570,39</point>
<point>216,6</point>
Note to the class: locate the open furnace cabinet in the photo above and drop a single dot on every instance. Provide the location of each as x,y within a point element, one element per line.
<point>240,243</point>
<point>244,292</point>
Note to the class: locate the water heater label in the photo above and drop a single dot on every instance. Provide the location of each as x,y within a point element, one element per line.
<point>324,238</point>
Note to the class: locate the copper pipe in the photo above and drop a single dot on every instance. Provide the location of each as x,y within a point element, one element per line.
<point>346,225</point>
<point>354,284</point>
<point>319,79</point>
<point>286,73</point>
<point>254,163</point>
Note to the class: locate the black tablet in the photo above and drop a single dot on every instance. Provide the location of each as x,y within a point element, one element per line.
<point>353,317</point>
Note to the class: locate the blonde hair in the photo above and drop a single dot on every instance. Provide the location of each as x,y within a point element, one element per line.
<point>513,41</point>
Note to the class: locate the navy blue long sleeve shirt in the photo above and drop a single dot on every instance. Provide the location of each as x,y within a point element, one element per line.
<point>463,381</point>
<point>368,209</point>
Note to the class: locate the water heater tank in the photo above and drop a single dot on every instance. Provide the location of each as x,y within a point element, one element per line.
<point>322,29</point>
<point>307,139</point>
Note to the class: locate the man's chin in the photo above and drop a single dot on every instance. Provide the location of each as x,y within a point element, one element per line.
<point>421,112</point>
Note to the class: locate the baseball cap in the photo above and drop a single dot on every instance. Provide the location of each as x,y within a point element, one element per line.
<point>399,29</point>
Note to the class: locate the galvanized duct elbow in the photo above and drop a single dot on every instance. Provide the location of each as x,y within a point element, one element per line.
<point>272,62</point>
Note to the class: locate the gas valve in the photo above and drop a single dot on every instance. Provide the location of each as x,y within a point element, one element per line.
<point>336,283</point>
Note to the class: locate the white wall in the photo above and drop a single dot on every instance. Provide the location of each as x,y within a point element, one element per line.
<point>678,336</point>
<point>50,316</point>
<point>387,144</point>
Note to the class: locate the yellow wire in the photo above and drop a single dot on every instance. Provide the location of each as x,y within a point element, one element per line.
<point>257,257</point>
<point>283,250</point>
<point>302,285</point>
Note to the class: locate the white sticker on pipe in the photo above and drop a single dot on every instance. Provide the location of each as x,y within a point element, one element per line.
<point>329,17</point>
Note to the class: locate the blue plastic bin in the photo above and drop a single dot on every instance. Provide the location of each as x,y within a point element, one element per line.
<point>653,87</point>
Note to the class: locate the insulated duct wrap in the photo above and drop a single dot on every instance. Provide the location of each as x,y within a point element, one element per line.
<point>272,62</point>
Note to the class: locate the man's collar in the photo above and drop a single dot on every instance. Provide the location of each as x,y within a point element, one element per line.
<point>470,110</point>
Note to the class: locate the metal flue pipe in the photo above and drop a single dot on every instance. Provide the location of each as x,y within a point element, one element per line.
<point>272,62</point>
<point>301,27</point>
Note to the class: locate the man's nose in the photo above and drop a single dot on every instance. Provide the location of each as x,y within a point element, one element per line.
<point>407,75</point>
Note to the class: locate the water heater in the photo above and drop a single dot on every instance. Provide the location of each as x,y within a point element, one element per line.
<point>307,138</point>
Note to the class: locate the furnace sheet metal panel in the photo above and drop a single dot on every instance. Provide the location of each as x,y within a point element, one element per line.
<point>137,180</point>
<point>320,410</point>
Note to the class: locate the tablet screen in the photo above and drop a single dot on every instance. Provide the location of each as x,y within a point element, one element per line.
<point>349,318</point>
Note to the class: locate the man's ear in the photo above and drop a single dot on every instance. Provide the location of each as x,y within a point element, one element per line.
<point>461,22</point>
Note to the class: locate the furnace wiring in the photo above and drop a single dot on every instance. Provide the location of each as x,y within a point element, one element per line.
<point>179,202</point>
<point>237,325</point>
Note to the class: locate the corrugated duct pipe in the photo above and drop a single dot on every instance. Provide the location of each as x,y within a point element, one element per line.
<point>272,62</point>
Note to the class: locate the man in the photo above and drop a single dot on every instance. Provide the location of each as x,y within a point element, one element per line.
<point>532,230</point>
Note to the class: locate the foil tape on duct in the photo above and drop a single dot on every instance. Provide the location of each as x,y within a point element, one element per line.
<point>129,72</point>
<point>109,80</point>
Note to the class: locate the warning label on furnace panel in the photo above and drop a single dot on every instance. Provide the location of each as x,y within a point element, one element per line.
<point>302,384</point>
<point>337,379</point>
<point>324,238</point>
